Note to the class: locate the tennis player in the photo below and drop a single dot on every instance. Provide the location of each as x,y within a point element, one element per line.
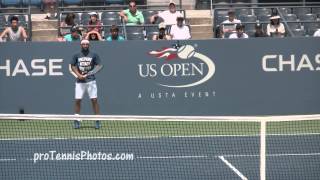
<point>84,66</point>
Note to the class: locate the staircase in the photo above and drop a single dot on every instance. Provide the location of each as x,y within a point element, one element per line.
<point>42,29</point>
<point>201,23</point>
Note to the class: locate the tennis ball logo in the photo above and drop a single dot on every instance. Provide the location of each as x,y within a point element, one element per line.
<point>186,52</point>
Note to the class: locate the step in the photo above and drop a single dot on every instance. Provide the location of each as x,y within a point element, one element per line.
<point>44,38</point>
<point>44,34</point>
<point>49,24</point>
<point>201,28</point>
<point>201,35</point>
<point>199,21</point>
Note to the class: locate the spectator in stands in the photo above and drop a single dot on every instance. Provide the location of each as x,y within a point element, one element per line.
<point>14,32</point>
<point>317,33</point>
<point>239,34</point>
<point>259,31</point>
<point>93,36</point>
<point>132,16</point>
<point>162,33</point>
<point>180,31</point>
<point>94,23</point>
<point>229,25</point>
<point>114,30</point>
<point>74,36</point>
<point>50,6</point>
<point>169,16</point>
<point>67,23</point>
<point>275,27</point>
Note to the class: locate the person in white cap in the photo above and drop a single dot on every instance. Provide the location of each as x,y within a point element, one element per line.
<point>317,33</point>
<point>162,35</point>
<point>94,23</point>
<point>84,65</point>
<point>169,16</point>
<point>275,27</point>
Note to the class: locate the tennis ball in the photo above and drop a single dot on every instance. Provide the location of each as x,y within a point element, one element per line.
<point>186,52</point>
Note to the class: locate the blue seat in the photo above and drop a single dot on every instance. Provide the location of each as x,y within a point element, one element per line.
<point>11,3</point>
<point>111,21</point>
<point>109,2</point>
<point>290,17</point>
<point>71,2</point>
<point>311,27</point>
<point>299,32</point>
<point>109,14</point>
<point>262,12</point>
<point>308,17</point>
<point>37,3</point>
<point>264,18</point>
<point>135,32</point>
<point>151,30</point>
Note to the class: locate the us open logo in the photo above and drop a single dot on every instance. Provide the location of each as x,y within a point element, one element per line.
<point>182,67</point>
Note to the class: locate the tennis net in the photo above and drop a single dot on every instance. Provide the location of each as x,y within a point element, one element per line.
<point>159,147</point>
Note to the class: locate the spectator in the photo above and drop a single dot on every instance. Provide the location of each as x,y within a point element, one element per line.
<point>14,32</point>
<point>94,23</point>
<point>275,27</point>
<point>317,33</point>
<point>229,25</point>
<point>259,31</point>
<point>132,16</point>
<point>114,30</point>
<point>239,34</point>
<point>180,31</point>
<point>67,23</point>
<point>94,36</point>
<point>74,36</point>
<point>50,6</point>
<point>169,16</point>
<point>162,33</point>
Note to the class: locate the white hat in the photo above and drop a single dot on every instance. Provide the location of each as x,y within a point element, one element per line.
<point>162,25</point>
<point>84,41</point>
<point>172,2</point>
<point>93,14</point>
<point>275,17</point>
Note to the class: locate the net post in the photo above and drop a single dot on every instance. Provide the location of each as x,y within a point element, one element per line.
<point>263,125</point>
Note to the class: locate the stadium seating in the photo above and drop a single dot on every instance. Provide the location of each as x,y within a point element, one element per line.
<point>151,30</point>
<point>299,32</point>
<point>290,17</point>
<point>299,11</point>
<point>111,2</point>
<point>264,18</point>
<point>134,33</point>
<point>262,12</point>
<point>111,21</point>
<point>147,14</point>
<point>11,3</point>
<point>311,27</point>
<point>308,17</point>
<point>71,2</point>
<point>85,16</point>
<point>109,14</point>
<point>36,3</point>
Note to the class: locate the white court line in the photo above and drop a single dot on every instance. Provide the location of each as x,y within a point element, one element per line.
<point>151,137</point>
<point>269,155</point>
<point>171,157</point>
<point>233,168</point>
<point>6,160</point>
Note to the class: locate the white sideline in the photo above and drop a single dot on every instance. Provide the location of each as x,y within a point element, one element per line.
<point>162,118</point>
<point>233,168</point>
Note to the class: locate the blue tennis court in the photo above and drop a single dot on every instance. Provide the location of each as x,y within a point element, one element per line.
<point>197,157</point>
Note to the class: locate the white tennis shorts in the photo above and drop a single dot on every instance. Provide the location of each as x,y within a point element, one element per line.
<point>90,87</point>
